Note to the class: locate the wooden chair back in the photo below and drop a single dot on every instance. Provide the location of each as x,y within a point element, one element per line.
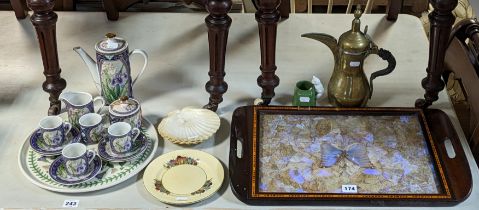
<point>462,76</point>
<point>331,3</point>
<point>393,7</point>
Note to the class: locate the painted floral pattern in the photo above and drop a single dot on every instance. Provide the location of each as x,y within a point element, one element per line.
<point>206,186</point>
<point>52,138</point>
<point>61,171</point>
<point>123,144</point>
<point>133,120</point>
<point>93,135</point>
<point>96,134</point>
<point>182,160</point>
<point>114,80</point>
<point>159,186</point>
<point>76,167</point>
<point>74,113</point>
<point>119,79</point>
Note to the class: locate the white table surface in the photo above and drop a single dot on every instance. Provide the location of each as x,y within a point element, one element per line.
<point>175,77</point>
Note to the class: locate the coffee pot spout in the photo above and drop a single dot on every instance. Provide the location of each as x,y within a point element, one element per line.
<point>326,39</point>
<point>92,66</point>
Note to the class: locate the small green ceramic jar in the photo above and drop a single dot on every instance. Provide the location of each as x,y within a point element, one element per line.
<point>304,94</point>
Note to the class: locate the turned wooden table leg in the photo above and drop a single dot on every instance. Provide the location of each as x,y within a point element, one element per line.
<point>114,7</point>
<point>218,23</point>
<point>19,9</point>
<point>284,9</point>
<point>441,23</point>
<point>267,17</point>
<point>394,9</point>
<point>112,12</point>
<point>44,20</point>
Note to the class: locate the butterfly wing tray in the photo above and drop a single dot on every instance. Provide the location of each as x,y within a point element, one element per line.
<point>346,156</point>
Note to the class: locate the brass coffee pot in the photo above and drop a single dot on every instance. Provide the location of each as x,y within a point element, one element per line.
<point>348,86</point>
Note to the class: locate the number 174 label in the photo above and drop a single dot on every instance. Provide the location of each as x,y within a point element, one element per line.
<point>349,188</point>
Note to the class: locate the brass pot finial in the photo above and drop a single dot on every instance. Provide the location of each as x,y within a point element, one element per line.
<point>358,12</point>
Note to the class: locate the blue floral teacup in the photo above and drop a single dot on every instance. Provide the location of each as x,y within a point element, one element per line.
<point>54,130</point>
<point>77,159</point>
<point>122,137</point>
<point>92,130</point>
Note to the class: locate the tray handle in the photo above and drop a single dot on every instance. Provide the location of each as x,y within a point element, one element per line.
<point>455,162</point>
<point>239,156</point>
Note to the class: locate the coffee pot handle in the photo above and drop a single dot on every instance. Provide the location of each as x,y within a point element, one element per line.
<point>145,56</point>
<point>387,56</point>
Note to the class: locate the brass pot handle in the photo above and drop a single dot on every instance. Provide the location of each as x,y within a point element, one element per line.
<point>387,56</point>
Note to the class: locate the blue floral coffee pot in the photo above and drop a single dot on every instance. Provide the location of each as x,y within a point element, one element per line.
<point>111,72</point>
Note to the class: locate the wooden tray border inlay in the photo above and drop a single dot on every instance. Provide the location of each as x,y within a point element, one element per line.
<point>255,194</point>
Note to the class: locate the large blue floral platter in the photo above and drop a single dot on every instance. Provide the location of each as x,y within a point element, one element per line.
<point>36,166</point>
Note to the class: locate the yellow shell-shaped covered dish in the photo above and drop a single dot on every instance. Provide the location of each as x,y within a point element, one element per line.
<point>189,125</point>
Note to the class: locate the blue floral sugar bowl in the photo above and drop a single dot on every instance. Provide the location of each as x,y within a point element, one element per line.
<point>125,110</point>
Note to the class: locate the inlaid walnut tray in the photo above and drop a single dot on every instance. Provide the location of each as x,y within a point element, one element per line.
<point>346,156</point>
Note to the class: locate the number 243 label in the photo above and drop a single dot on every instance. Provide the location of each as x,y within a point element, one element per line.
<point>71,203</point>
<point>350,188</point>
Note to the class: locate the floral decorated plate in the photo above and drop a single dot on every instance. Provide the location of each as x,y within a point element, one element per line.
<point>35,167</point>
<point>105,152</point>
<point>58,173</point>
<point>37,144</point>
<point>183,177</point>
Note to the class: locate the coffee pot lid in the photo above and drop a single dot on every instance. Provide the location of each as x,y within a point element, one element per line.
<point>355,41</point>
<point>124,106</point>
<point>111,44</point>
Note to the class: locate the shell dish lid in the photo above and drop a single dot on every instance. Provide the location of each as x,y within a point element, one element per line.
<point>111,44</point>
<point>124,106</point>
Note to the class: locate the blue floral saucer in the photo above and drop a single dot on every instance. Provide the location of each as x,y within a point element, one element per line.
<point>105,152</point>
<point>37,143</point>
<point>59,174</point>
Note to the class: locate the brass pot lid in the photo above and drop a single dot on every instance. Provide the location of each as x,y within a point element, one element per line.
<point>355,41</point>
<point>111,44</point>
